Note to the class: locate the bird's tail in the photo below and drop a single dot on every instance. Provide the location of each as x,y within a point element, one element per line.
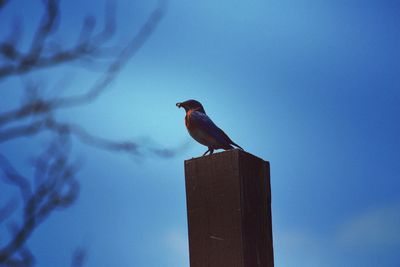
<point>229,141</point>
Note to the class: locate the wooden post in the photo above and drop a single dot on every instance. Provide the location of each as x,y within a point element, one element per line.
<point>228,200</point>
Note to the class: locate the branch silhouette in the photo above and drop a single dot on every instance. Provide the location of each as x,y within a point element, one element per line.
<point>58,188</point>
<point>54,184</point>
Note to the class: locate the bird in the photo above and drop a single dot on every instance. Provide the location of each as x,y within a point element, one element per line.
<point>203,129</point>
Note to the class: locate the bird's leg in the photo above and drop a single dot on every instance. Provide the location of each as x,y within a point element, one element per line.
<point>211,151</point>
<point>205,153</point>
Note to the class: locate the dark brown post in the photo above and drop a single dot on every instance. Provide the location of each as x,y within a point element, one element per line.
<point>228,200</point>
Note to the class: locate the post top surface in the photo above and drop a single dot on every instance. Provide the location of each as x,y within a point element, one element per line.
<point>231,152</point>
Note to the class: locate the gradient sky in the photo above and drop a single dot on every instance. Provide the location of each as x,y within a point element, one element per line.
<point>311,86</point>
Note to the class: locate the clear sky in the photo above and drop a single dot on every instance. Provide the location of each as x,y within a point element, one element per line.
<point>312,86</point>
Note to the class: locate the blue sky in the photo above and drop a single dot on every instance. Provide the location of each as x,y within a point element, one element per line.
<point>311,86</point>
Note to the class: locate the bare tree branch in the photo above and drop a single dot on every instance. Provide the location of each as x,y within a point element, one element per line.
<point>84,136</point>
<point>47,25</point>
<point>59,189</point>
<point>19,131</point>
<point>11,175</point>
<point>127,53</point>
<point>35,59</point>
<point>45,106</point>
<point>53,184</point>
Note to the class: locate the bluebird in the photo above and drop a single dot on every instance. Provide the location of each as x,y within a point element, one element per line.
<point>203,129</point>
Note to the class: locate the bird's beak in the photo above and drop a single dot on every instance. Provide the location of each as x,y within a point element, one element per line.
<point>179,104</point>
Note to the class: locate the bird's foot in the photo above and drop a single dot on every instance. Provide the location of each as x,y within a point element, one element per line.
<point>205,153</point>
<point>209,150</point>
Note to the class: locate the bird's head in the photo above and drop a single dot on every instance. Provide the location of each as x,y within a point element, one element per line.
<point>191,105</point>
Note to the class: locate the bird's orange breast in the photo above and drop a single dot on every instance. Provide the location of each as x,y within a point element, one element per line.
<point>190,126</point>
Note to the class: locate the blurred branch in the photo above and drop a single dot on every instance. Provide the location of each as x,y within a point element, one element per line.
<point>47,26</point>
<point>125,55</point>
<point>39,107</point>
<point>82,135</point>
<point>18,131</point>
<point>11,175</point>
<point>45,106</point>
<point>58,189</point>
<point>36,58</point>
<point>53,184</point>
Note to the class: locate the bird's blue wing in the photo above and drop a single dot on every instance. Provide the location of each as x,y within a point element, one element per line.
<point>205,124</point>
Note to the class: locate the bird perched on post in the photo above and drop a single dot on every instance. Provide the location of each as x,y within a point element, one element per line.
<point>203,129</point>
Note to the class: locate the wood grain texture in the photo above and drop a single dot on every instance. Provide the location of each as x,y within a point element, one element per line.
<point>229,210</point>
